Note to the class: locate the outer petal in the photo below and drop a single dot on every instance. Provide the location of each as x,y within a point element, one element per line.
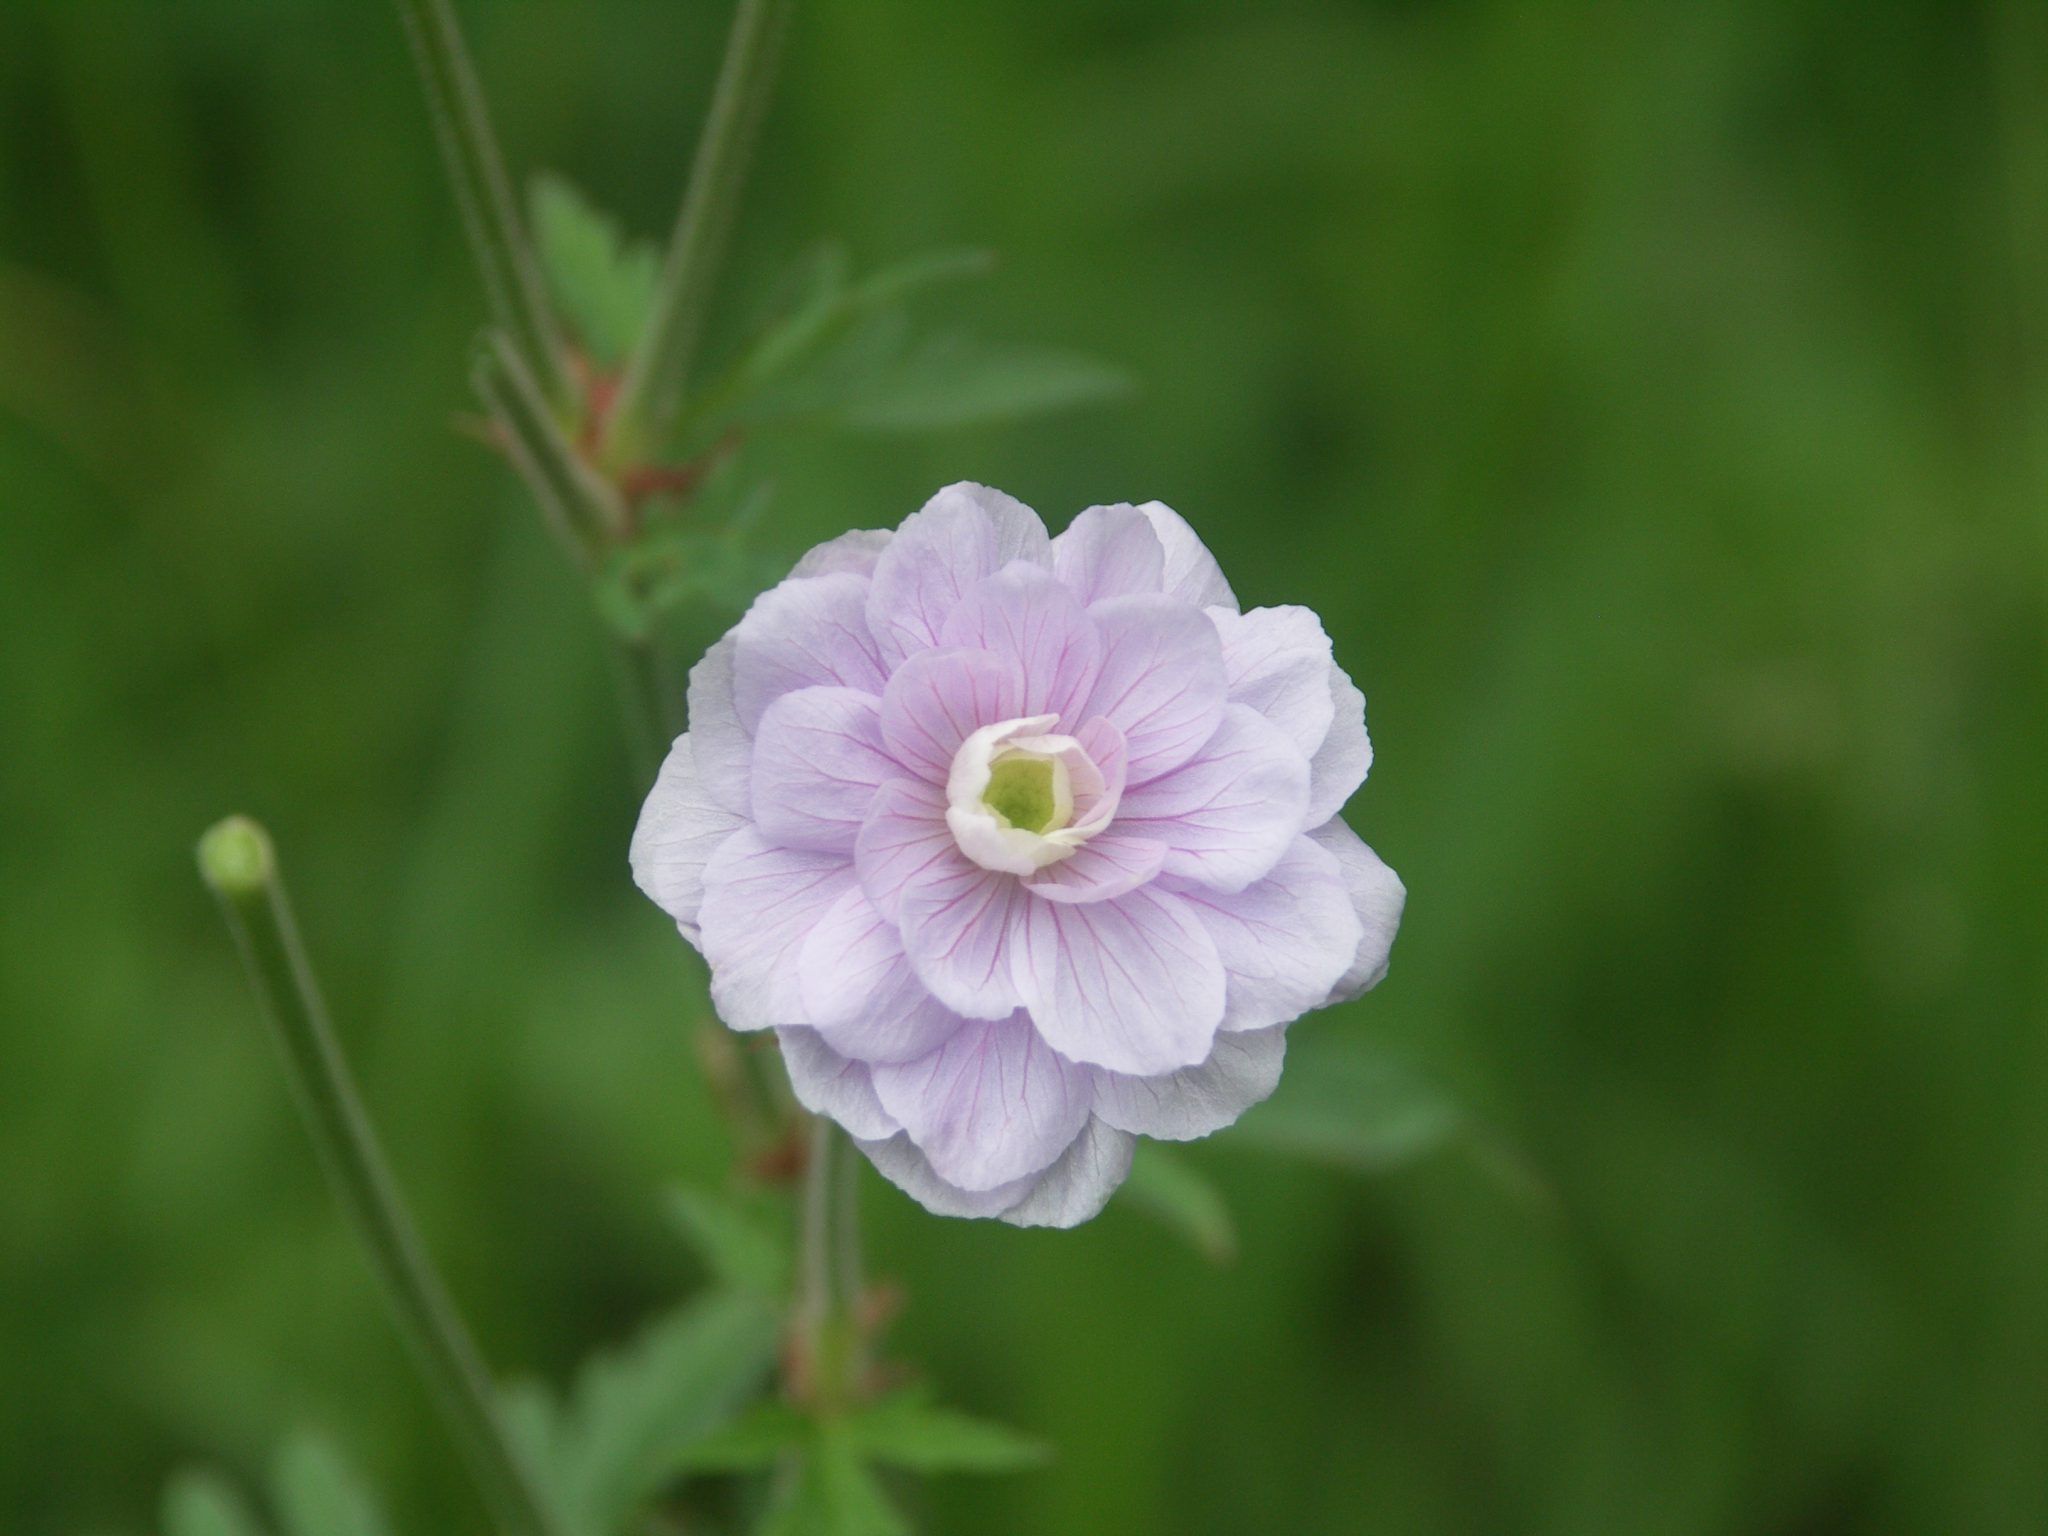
<point>856,552</point>
<point>723,751</point>
<point>1080,1183</point>
<point>955,918</point>
<point>1278,663</point>
<point>992,1105</point>
<point>1195,1101</point>
<point>804,634</point>
<point>759,903</point>
<point>818,760</point>
<point>1109,552</point>
<point>898,1160</point>
<point>680,827</point>
<point>963,534</point>
<point>1343,760</point>
<point>1024,614</point>
<point>828,1084</point>
<point>1105,866</point>
<point>937,699</point>
<point>1378,897</point>
<point>904,836</point>
<point>1162,681</point>
<point>1133,984</point>
<point>1285,940</point>
<point>1229,814</point>
<point>858,989</point>
<point>1192,574</point>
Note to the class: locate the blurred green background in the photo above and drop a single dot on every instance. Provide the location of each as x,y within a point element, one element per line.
<point>1651,399</point>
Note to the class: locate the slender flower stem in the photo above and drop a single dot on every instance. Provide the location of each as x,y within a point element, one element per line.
<point>660,367</point>
<point>497,235</point>
<point>237,860</point>
<point>827,1281</point>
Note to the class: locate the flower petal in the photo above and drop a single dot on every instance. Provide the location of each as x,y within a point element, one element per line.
<point>856,552</point>
<point>992,1105</point>
<point>1106,865</point>
<point>1109,552</point>
<point>897,1159</point>
<point>1341,763</point>
<point>1229,814</point>
<point>759,903</point>
<point>1200,1100</point>
<point>1077,1186</point>
<point>719,744</point>
<point>1162,681</point>
<point>858,989</point>
<point>955,918</point>
<point>1377,895</point>
<point>963,534</point>
<point>1285,940</point>
<point>904,835</point>
<point>1192,574</point>
<point>1278,663</point>
<point>1023,613</point>
<point>937,699</point>
<point>680,827</point>
<point>1133,983</point>
<point>827,1083</point>
<point>818,760</point>
<point>804,634</point>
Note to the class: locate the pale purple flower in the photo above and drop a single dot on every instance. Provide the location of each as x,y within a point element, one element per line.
<point>1024,847</point>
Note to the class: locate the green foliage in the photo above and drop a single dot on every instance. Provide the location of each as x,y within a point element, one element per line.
<point>830,1492</point>
<point>603,282</point>
<point>316,1493</point>
<point>907,1430</point>
<point>743,1242</point>
<point>204,1504</point>
<point>1351,1105</point>
<point>1168,1189</point>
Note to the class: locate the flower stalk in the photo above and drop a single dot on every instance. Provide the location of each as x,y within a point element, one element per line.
<point>239,863</point>
<point>827,1359</point>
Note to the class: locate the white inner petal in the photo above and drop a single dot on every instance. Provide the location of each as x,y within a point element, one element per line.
<point>989,837</point>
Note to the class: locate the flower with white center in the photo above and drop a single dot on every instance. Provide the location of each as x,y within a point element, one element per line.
<point>1024,847</point>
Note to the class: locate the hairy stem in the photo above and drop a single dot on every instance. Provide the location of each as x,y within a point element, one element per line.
<point>238,862</point>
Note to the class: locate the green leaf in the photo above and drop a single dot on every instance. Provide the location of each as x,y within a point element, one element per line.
<point>745,1245</point>
<point>603,282</point>
<point>833,1494</point>
<point>952,381</point>
<point>199,1503</point>
<point>753,1442</point>
<point>1164,1186</point>
<point>316,1492</point>
<point>907,1430</point>
<point>1351,1106</point>
<point>636,1410</point>
<point>534,1423</point>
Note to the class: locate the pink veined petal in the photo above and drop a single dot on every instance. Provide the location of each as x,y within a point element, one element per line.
<point>1104,744</point>
<point>955,918</point>
<point>1229,814</point>
<point>1192,574</point>
<point>1285,941</point>
<point>1109,552</point>
<point>719,744</point>
<point>1345,757</point>
<point>1278,663</point>
<point>680,827</point>
<point>993,1104</point>
<point>1133,983</point>
<point>858,989</point>
<point>1076,1188</point>
<point>937,699</point>
<point>897,1159</point>
<point>829,1084</point>
<point>1241,1071</point>
<point>1377,895</point>
<point>856,551</point>
<point>759,903</point>
<point>818,760</point>
<point>1161,682</point>
<point>1107,865</point>
<point>963,534</point>
<point>804,634</point>
<point>904,836</point>
<point>1023,613</point>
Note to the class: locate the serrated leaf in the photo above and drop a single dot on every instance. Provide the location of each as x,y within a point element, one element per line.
<point>953,381</point>
<point>1168,1189</point>
<point>316,1493</point>
<point>833,1494</point>
<point>1351,1106</point>
<point>636,1410</point>
<point>753,1442</point>
<point>603,282</point>
<point>200,1503</point>
<point>744,1246</point>
<point>907,1430</point>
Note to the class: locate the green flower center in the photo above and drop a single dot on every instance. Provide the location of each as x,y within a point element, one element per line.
<point>1020,791</point>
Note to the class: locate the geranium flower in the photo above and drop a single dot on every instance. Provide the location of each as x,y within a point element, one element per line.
<point>1024,847</point>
